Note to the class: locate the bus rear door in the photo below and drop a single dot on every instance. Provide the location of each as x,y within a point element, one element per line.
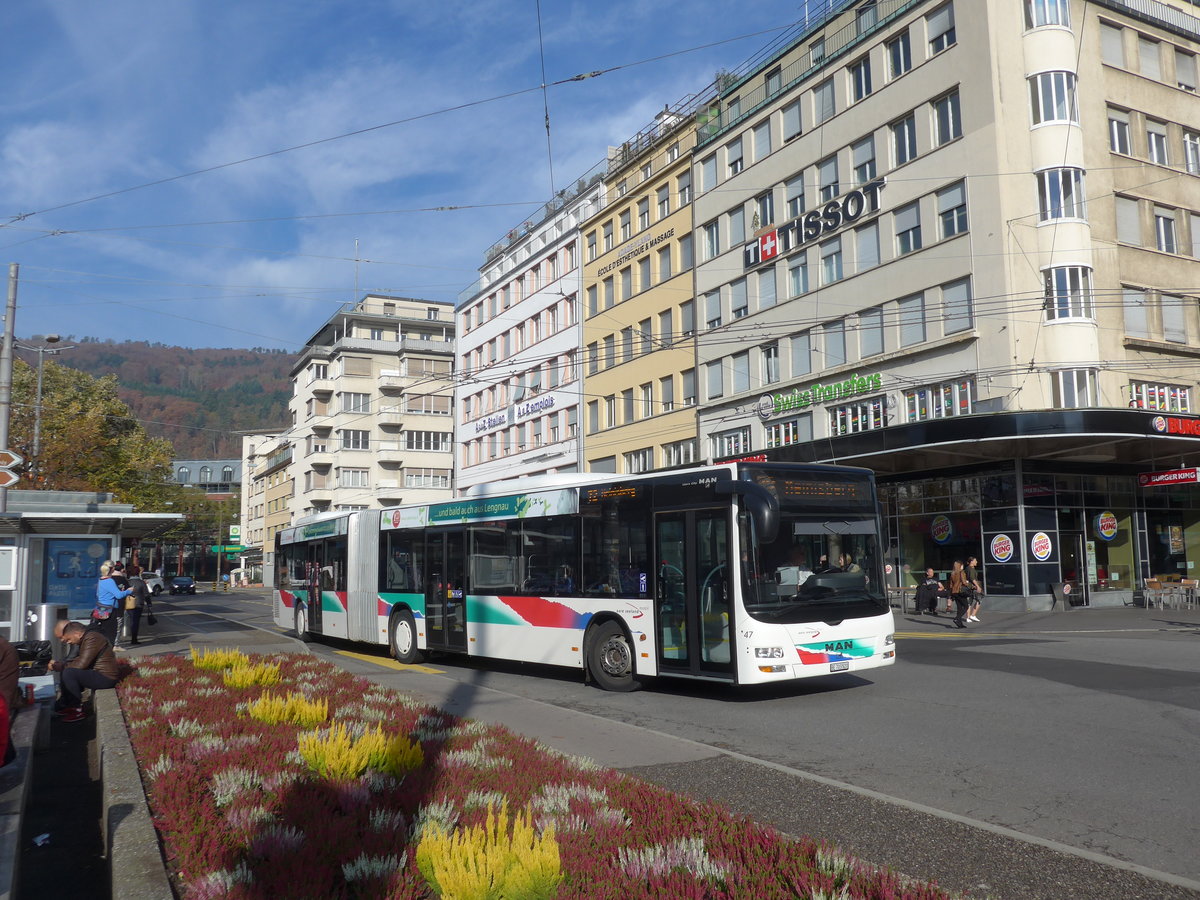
<point>446,590</point>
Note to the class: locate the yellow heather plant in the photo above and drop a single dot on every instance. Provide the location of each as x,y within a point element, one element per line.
<point>338,756</point>
<point>214,660</point>
<point>246,675</point>
<point>295,709</point>
<point>493,861</point>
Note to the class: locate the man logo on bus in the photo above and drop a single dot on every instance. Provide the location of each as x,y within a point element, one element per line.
<point>1041,546</point>
<point>1002,548</point>
<point>941,529</point>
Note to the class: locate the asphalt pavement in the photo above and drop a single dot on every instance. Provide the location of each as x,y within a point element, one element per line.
<point>958,852</point>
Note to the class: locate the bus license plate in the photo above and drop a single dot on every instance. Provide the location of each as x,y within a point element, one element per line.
<point>839,666</point>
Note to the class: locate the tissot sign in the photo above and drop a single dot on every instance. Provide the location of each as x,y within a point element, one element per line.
<point>814,224</point>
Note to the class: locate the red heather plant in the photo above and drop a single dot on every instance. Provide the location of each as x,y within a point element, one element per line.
<point>242,817</point>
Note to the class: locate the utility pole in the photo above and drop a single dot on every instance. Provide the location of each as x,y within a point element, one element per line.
<point>6,367</point>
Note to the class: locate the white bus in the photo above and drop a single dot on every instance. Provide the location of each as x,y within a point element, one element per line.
<point>742,572</point>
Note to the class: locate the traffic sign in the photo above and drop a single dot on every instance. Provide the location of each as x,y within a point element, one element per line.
<point>8,459</point>
<point>226,548</point>
<point>8,478</point>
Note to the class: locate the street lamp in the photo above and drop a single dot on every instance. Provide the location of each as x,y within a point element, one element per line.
<point>34,464</point>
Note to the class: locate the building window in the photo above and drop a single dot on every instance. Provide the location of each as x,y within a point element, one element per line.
<point>766,288</point>
<point>824,105</point>
<point>831,261</point>
<point>608,236</point>
<point>860,78</point>
<point>643,213</point>
<point>628,407</point>
<point>626,225</point>
<point>870,331</point>
<point>1134,305</point>
<point>714,380</point>
<point>684,183</point>
<point>355,439</point>
<point>712,309</point>
<point>794,192</point>
<point>427,440</point>
<point>904,140</point>
<point>687,318</point>
<point>685,252</point>
<point>736,222</point>
<point>593,412</point>
<point>866,246</point>
<point>733,156</point>
<point>769,355</point>
<point>663,195</point>
<point>1039,13</point>
<point>1149,59</point>
<point>912,320</point>
<point>739,368</point>
<point>899,55</point>
<point>426,478</point>
<point>639,461</point>
<point>1074,388</point>
<point>863,154</point>
<point>866,16</point>
<point>789,431</point>
<point>689,387</point>
<point>952,210</point>
<point>712,239</point>
<point>816,51</point>
<point>1174,317</point>
<point>773,81</point>
<point>1112,44</point>
<point>791,121</point>
<point>318,372</point>
<point>356,402</point>
<point>1052,96</point>
<point>591,246</point>
<point>1164,229</point>
<point>680,453</point>
<point>644,279</point>
<point>801,354</point>
<point>908,228</point>
<point>762,140</point>
<point>1069,293</point>
<point>1185,70</point>
<point>626,344</point>
<point>666,393</point>
<point>947,118</point>
<point>1118,131</point>
<point>939,25</point>
<point>939,401</point>
<point>798,277</point>
<point>1156,142</point>
<point>865,415</point>
<point>183,474</point>
<point>1129,222</point>
<point>1191,153</point>
<point>738,301</point>
<point>1163,397</point>
<point>1061,194</point>
<point>664,263</point>
<point>833,339</point>
<point>353,478</point>
<point>827,178</point>
<point>957,314</point>
<point>708,173</point>
<point>731,443</point>
<point>227,474</point>
<point>764,209</point>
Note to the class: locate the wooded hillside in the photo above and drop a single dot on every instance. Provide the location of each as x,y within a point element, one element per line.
<point>193,398</point>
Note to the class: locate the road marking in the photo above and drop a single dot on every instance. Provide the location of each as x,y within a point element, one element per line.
<point>390,663</point>
<point>970,632</point>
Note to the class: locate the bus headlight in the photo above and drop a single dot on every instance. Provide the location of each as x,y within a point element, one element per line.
<point>768,652</point>
<point>890,639</point>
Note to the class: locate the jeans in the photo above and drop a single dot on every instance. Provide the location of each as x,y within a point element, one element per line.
<point>133,618</point>
<point>75,680</point>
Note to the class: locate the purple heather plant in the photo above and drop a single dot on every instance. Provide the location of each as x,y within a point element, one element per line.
<point>242,818</point>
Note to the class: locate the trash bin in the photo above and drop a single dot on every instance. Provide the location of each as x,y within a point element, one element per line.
<point>1069,593</point>
<point>41,618</point>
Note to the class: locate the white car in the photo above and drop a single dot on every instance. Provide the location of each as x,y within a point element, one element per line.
<point>154,583</point>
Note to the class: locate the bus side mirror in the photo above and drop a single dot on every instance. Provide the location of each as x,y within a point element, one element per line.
<point>760,503</point>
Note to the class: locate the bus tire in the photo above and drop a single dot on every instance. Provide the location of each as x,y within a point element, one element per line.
<point>610,658</point>
<point>300,623</point>
<point>402,635</point>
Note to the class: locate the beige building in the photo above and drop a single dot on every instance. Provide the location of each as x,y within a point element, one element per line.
<point>958,244</point>
<point>371,407</point>
<point>267,493</point>
<point>639,312</point>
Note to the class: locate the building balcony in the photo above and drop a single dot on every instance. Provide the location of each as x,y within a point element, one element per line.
<point>318,495</point>
<point>322,456</point>
<point>391,415</point>
<point>320,386</point>
<point>390,451</point>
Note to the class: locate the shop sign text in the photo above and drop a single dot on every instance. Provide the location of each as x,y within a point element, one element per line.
<point>941,530</point>
<point>775,404</point>
<point>1002,548</point>
<point>1041,546</point>
<point>1169,476</point>
<point>1175,425</point>
<point>814,224</point>
<point>1106,525</point>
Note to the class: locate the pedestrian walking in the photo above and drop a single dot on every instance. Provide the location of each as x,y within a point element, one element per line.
<point>135,604</point>
<point>975,588</point>
<point>106,616</point>
<point>960,593</point>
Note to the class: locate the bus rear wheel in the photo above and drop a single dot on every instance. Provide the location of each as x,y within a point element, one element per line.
<point>403,633</point>
<point>610,658</point>
<point>300,623</point>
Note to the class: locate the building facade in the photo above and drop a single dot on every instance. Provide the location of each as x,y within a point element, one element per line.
<point>218,478</point>
<point>639,309</point>
<point>962,250</point>
<point>518,391</point>
<point>371,407</point>
<point>267,494</point>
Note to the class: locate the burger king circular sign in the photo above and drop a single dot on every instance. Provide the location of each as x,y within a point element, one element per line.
<point>1001,548</point>
<point>941,530</point>
<point>1041,546</point>
<point>1105,525</point>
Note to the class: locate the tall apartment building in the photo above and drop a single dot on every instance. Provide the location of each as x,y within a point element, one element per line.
<point>371,407</point>
<point>639,311</point>
<point>959,244</point>
<point>267,492</point>
<point>518,391</point>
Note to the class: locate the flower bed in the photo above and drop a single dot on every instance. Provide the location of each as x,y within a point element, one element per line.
<point>437,800</point>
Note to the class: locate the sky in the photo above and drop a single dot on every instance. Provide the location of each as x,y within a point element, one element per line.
<point>143,195</point>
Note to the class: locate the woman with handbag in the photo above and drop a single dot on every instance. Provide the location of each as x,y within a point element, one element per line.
<point>106,616</point>
<point>138,599</point>
<point>960,591</point>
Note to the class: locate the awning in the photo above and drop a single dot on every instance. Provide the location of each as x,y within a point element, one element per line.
<point>133,526</point>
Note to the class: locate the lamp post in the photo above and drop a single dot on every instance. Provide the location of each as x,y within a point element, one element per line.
<point>35,462</point>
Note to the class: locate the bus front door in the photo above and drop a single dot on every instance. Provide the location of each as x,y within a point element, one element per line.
<point>692,593</point>
<point>445,590</point>
<point>315,576</point>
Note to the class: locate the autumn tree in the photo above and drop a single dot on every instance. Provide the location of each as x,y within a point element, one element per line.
<point>89,439</point>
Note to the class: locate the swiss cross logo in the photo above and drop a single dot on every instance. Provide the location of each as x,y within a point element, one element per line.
<point>768,246</point>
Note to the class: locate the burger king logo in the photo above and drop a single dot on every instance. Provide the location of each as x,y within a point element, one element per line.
<point>396,519</point>
<point>941,529</point>
<point>1106,526</point>
<point>1002,548</point>
<point>1041,546</point>
<point>1159,423</point>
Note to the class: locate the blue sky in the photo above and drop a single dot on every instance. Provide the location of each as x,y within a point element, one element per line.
<point>100,98</point>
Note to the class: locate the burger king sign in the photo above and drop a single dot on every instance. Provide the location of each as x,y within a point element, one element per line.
<point>941,530</point>
<point>1001,548</point>
<point>1105,526</point>
<point>1041,546</point>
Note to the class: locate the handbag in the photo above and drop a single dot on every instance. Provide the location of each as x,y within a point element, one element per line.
<point>131,602</point>
<point>150,618</point>
<point>100,613</point>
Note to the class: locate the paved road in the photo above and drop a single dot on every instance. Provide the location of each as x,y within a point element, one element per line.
<point>1074,728</point>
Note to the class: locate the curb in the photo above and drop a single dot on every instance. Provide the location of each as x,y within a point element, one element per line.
<point>30,731</point>
<point>135,861</point>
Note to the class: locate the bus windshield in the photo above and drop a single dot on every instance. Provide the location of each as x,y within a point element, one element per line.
<point>817,569</point>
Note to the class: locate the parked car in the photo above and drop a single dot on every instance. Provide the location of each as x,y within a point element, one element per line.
<point>154,583</point>
<point>183,584</point>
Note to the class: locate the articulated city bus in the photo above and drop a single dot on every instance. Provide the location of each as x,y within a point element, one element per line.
<point>742,572</point>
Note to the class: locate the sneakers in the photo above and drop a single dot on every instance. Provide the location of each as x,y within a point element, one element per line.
<point>73,714</point>
<point>958,623</point>
<point>972,619</point>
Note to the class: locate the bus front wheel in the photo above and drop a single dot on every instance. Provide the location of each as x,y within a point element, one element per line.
<point>403,633</point>
<point>610,658</point>
<point>300,623</point>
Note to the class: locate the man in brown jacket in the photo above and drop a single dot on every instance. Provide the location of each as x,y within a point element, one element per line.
<point>95,667</point>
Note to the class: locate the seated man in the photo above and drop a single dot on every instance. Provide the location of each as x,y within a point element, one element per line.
<point>928,592</point>
<point>94,667</point>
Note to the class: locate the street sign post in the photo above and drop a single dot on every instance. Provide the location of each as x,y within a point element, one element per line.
<point>8,460</point>
<point>226,548</point>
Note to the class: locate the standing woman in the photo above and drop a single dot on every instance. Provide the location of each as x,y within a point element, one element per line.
<point>959,590</point>
<point>139,596</point>
<point>106,617</point>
